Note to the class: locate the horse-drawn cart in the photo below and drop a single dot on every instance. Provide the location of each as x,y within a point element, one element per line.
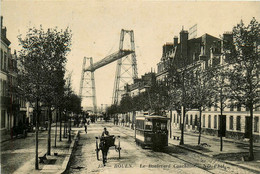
<point>104,144</point>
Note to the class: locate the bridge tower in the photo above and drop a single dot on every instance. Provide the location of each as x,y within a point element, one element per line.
<point>126,70</point>
<point>87,90</point>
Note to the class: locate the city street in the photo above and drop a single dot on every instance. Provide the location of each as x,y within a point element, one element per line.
<point>172,159</point>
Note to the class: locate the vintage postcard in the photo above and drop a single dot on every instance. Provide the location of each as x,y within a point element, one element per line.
<point>120,86</point>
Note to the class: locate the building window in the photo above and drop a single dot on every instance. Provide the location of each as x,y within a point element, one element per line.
<point>215,107</point>
<point>177,118</point>
<point>256,124</point>
<point>174,118</point>
<point>231,106</point>
<point>4,88</point>
<point>187,119</point>
<point>203,120</point>
<point>239,107</point>
<point>196,120</point>
<point>1,87</point>
<point>215,121</point>
<point>2,59</point>
<point>209,123</point>
<point>238,123</point>
<point>190,119</point>
<point>5,61</point>
<point>231,122</point>
<point>3,119</point>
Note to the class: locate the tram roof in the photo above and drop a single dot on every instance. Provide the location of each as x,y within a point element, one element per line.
<point>152,117</point>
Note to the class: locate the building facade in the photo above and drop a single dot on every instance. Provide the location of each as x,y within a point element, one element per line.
<point>207,51</point>
<point>140,85</point>
<point>5,105</point>
<point>13,109</point>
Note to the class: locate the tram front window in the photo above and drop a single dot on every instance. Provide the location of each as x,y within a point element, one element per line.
<point>148,125</point>
<point>163,126</point>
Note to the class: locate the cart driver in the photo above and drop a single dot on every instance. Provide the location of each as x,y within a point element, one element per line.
<point>105,133</point>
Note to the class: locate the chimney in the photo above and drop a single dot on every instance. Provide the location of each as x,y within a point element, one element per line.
<point>227,40</point>
<point>1,22</point>
<point>184,43</point>
<point>3,29</point>
<point>175,41</point>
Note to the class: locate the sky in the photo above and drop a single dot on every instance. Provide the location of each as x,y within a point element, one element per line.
<point>96,27</point>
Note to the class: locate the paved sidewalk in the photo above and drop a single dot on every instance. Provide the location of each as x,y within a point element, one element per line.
<point>18,155</point>
<point>232,153</point>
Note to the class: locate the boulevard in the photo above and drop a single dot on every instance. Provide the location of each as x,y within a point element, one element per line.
<point>180,77</point>
<point>172,159</point>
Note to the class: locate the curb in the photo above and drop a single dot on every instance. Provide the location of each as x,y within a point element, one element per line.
<point>227,162</point>
<point>224,140</point>
<point>72,147</point>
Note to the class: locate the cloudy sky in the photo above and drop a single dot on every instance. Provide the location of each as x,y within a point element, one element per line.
<point>96,27</point>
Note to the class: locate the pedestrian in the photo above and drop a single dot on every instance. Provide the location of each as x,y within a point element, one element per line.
<point>86,128</point>
<point>123,122</point>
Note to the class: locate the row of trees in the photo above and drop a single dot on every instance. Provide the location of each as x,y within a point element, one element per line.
<point>233,83</point>
<point>154,99</point>
<point>41,77</point>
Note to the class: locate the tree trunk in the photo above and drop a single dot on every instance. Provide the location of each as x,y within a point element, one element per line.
<point>64,130</point>
<point>133,118</point>
<point>56,127</point>
<point>69,130</point>
<point>199,127</point>
<point>182,127</point>
<point>60,125</point>
<point>36,136</point>
<point>251,138</point>
<point>49,133</point>
<point>170,123</point>
<point>179,115</point>
<point>221,139</point>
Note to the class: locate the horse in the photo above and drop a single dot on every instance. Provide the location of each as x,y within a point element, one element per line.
<point>104,147</point>
<point>105,144</point>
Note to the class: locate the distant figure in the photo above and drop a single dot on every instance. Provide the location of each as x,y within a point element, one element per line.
<point>86,128</point>
<point>105,133</point>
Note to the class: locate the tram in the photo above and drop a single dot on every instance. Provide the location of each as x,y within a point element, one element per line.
<point>151,131</point>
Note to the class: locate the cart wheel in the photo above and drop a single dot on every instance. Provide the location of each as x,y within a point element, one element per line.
<point>119,152</point>
<point>97,150</point>
<point>142,145</point>
<point>119,148</point>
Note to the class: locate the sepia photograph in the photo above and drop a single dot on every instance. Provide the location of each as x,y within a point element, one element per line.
<point>130,86</point>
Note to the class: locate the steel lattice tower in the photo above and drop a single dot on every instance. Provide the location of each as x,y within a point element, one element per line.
<point>126,71</point>
<point>87,83</point>
<point>125,65</point>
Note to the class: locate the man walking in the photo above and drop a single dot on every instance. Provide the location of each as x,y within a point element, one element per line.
<point>86,128</point>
